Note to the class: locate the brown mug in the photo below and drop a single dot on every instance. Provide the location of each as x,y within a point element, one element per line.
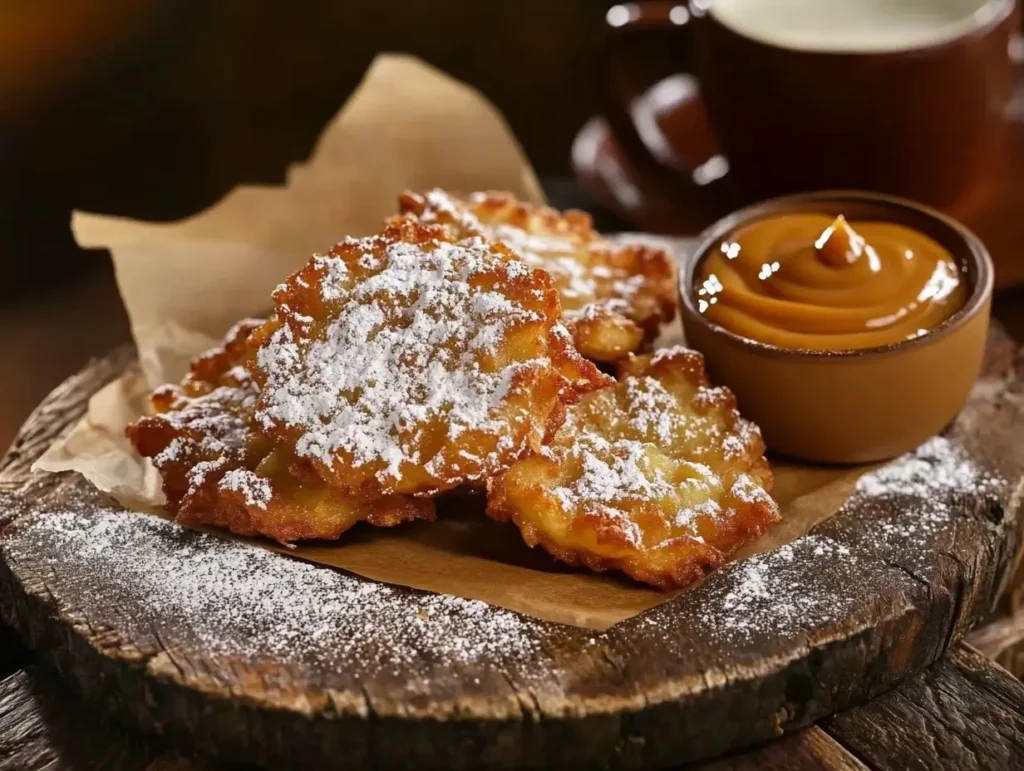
<point>904,97</point>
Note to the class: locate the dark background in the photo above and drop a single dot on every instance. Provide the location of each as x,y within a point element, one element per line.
<point>154,109</point>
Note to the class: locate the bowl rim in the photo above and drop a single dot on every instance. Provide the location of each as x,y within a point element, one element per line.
<point>981,291</point>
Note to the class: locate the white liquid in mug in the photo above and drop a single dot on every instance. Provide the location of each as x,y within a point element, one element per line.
<point>855,25</point>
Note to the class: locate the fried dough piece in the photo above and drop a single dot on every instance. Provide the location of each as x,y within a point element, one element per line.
<point>657,476</point>
<point>412,362</point>
<point>218,469</point>
<point>614,297</point>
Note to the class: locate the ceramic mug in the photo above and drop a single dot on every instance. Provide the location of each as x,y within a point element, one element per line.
<point>902,96</point>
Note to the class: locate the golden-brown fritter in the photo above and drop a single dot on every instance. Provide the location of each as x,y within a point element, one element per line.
<point>413,362</point>
<point>657,476</point>
<point>218,469</point>
<point>614,297</point>
<point>205,421</point>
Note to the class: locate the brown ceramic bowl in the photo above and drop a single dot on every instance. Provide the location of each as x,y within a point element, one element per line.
<point>850,406</point>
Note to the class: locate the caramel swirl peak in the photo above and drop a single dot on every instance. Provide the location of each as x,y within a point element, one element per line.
<point>839,244</point>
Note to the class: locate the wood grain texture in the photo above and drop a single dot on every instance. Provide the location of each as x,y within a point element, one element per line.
<point>808,750</point>
<point>966,714</point>
<point>64,407</point>
<point>43,727</point>
<point>660,689</point>
<point>1002,640</point>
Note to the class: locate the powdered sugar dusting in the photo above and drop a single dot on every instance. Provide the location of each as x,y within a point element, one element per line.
<point>213,421</point>
<point>642,453</point>
<point>771,594</point>
<point>933,471</point>
<point>240,600</point>
<point>661,417</point>
<point>556,255</point>
<point>927,484</point>
<point>255,489</point>
<point>588,287</point>
<point>688,517</point>
<point>612,476</point>
<point>438,201</point>
<point>625,475</point>
<point>597,311</point>
<point>651,409</point>
<point>406,347</point>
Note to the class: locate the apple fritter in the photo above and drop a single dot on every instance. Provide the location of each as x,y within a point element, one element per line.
<point>218,469</point>
<point>657,476</point>
<point>413,362</point>
<point>614,298</point>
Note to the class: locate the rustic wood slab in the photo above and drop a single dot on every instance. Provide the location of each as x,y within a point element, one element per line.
<point>255,656</point>
<point>965,713</point>
<point>43,727</point>
<point>1002,640</point>
<point>962,713</point>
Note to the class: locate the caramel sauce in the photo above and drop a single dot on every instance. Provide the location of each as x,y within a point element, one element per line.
<point>812,282</point>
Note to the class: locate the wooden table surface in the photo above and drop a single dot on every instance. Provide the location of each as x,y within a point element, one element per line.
<point>966,712</point>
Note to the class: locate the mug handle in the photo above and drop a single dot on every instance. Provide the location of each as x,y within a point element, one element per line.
<point>647,81</point>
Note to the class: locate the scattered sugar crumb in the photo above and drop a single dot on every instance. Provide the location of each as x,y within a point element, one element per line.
<point>768,594</point>
<point>928,482</point>
<point>937,467</point>
<point>255,489</point>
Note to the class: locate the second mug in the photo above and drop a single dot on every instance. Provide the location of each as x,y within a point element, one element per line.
<point>902,97</point>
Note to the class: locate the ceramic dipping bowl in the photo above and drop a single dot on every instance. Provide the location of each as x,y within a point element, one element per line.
<point>850,406</point>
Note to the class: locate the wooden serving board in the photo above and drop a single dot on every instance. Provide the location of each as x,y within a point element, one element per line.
<point>250,655</point>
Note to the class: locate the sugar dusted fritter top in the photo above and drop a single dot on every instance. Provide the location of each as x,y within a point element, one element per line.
<point>657,476</point>
<point>415,361</point>
<point>614,297</point>
<point>219,469</point>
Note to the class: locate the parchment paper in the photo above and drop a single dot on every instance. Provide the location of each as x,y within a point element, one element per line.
<point>407,126</point>
<point>185,283</point>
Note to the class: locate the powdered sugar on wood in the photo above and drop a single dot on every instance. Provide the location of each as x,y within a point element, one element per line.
<point>235,599</point>
<point>772,593</point>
